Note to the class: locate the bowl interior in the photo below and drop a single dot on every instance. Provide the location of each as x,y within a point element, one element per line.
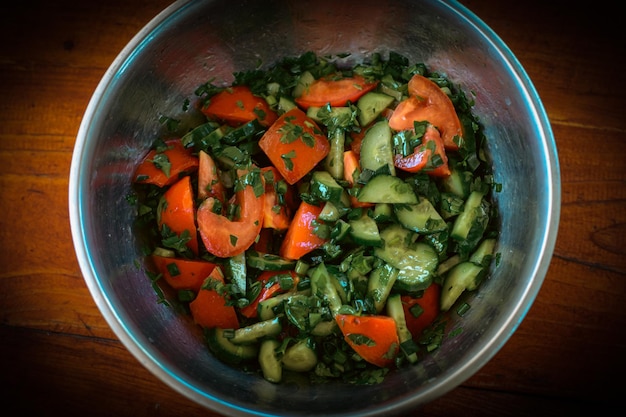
<point>191,43</point>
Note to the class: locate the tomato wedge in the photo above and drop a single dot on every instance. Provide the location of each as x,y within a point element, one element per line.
<point>337,92</point>
<point>427,102</point>
<point>178,211</point>
<point>300,238</point>
<point>276,212</point>
<point>183,274</point>
<point>422,316</point>
<point>209,184</point>
<point>294,144</point>
<point>166,167</point>
<point>374,338</point>
<point>237,105</point>
<point>421,158</point>
<point>224,237</point>
<point>209,309</point>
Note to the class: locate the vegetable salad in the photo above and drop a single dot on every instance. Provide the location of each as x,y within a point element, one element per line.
<point>321,216</point>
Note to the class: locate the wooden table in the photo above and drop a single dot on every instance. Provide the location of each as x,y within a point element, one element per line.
<point>58,355</point>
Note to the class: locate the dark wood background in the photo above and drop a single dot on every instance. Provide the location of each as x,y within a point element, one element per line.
<point>58,355</point>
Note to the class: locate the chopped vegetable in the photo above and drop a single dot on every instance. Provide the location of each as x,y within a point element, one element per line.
<point>178,212</point>
<point>301,237</point>
<point>429,156</point>
<point>165,165</point>
<point>237,105</point>
<point>374,338</point>
<point>421,312</point>
<point>334,91</point>
<point>427,102</point>
<point>210,308</point>
<point>294,145</point>
<point>224,237</point>
<point>183,274</point>
<point>209,183</point>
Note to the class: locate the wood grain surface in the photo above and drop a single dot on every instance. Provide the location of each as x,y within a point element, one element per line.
<point>58,355</point>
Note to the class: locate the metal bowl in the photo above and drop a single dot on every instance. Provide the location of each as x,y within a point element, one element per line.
<point>192,42</point>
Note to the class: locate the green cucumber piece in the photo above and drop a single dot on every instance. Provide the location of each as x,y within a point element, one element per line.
<point>387,189</point>
<point>271,365</point>
<point>416,261</point>
<point>464,276</point>
<point>364,231</point>
<point>236,270</point>
<point>268,262</point>
<point>371,105</point>
<point>484,253</point>
<point>377,148</point>
<point>304,81</point>
<point>256,331</point>
<point>458,182</point>
<point>379,284</point>
<point>300,357</point>
<point>326,188</point>
<point>383,212</point>
<point>422,217</point>
<point>226,350</point>
<point>470,225</point>
<point>395,310</point>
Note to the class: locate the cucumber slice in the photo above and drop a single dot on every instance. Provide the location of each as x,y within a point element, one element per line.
<point>226,350</point>
<point>329,213</point>
<point>387,189</point>
<point>458,182</point>
<point>396,312</point>
<point>383,212</point>
<point>268,262</point>
<point>342,113</point>
<point>325,187</point>
<point>421,217</point>
<point>371,105</point>
<point>465,220</point>
<point>300,357</point>
<point>484,254</point>
<point>284,105</point>
<point>464,276</point>
<point>254,332</point>
<point>236,270</point>
<point>364,231</point>
<point>271,365</point>
<point>304,81</point>
<point>334,159</point>
<point>377,148</point>
<point>379,285</point>
<point>416,261</point>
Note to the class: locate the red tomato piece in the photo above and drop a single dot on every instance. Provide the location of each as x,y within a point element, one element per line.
<point>276,215</point>
<point>428,303</point>
<point>224,237</point>
<point>423,154</point>
<point>179,159</point>
<point>178,211</point>
<point>237,105</point>
<point>300,238</point>
<point>209,309</point>
<point>427,102</point>
<point>183,274</point>
<point>209,184</point>
<point>336,92</point>
<point>294,144</point>
<point>374,338</point>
